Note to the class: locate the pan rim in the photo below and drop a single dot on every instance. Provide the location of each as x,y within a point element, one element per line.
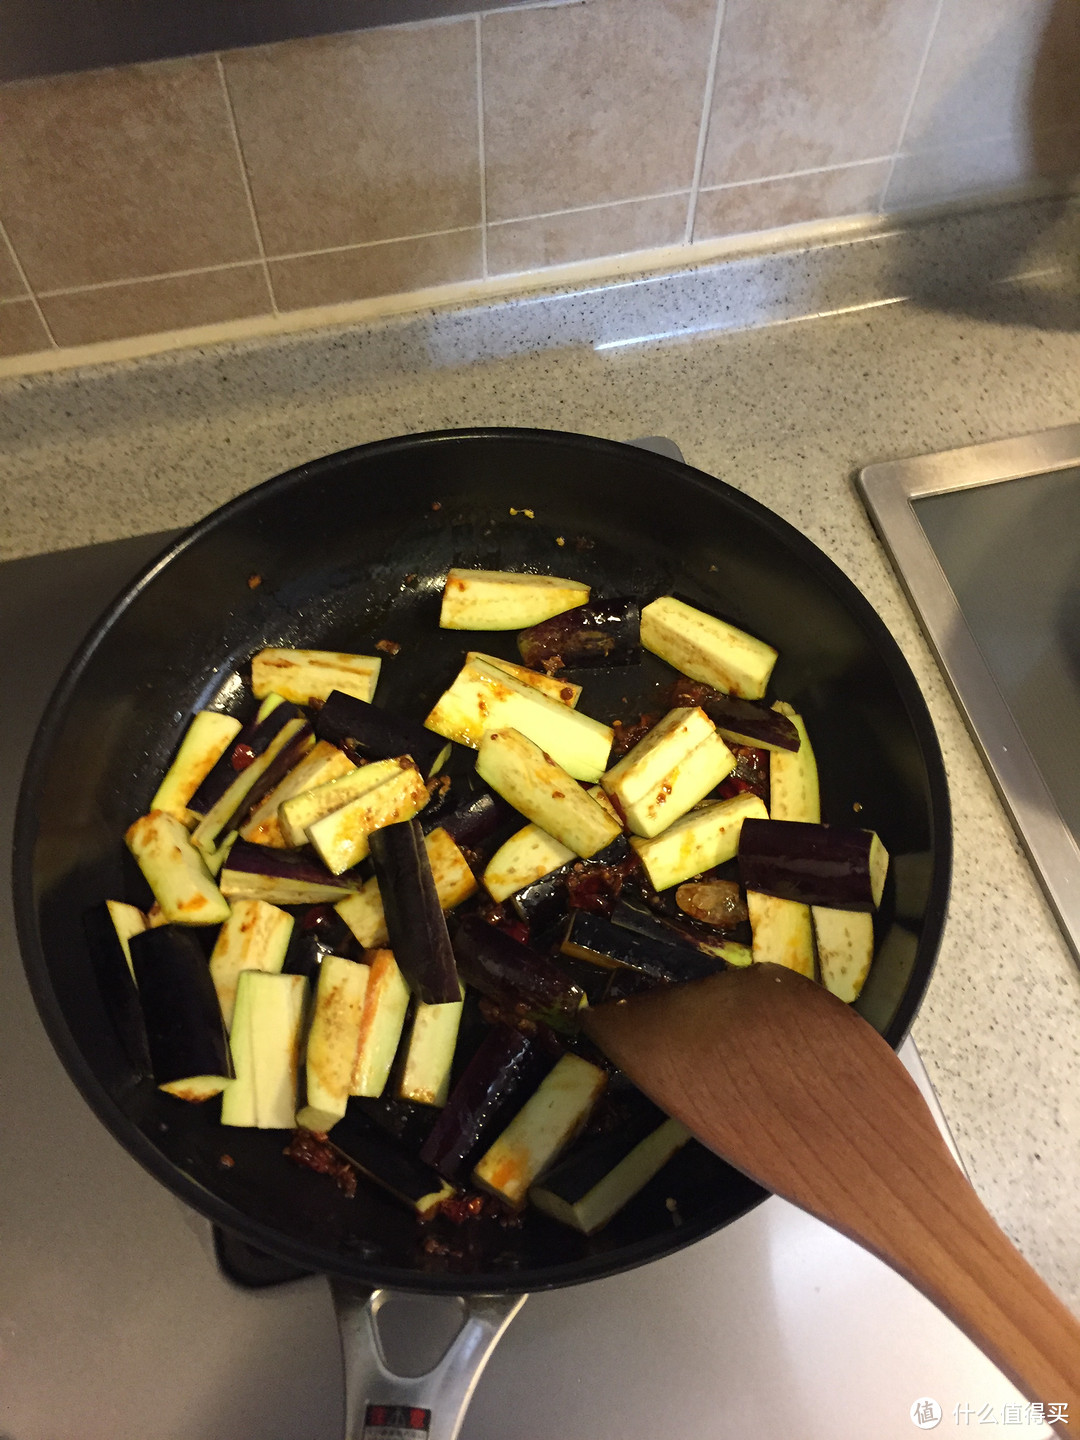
<point>133,1139</point>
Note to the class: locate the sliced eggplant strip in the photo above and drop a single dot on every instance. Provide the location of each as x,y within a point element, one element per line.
<point>285,750</point>
<point>385,1005</point>
<point>701,840</point>
<point>429,1056</point>
<point>600,1176</point>
<point>741,722</point>
<point>321,765</point>
<point>300,812</point>
<point>265,1041</point>
<point>534,783</point>
<point>110,929</point>
<point>831,865</point>
<point>793,777</point>
<point>604,632</point>
<point>545,901</point>
<point>707,649</point>
<point>385,1163</point>
<point>630,915</point>
<point>541,1129</point>
<point>282,877</point>
<point>376,734</point>
<point>502,600</point>
<point>660,960</point>
<point>208,737</point>
<point>306,675</point>
<point>365,914</point>
<point>415,922</point>
<point>470,813</point>
<point>184,1030</point>
<point>248,745</point>
<point>332,1042</point>
<point>713,902</point>
<point>564,691</point>
<point>782,932</point>
<point>483,698</point>
<point>514,974</point>
<point>530,854</point>
<point>127,921</point>
<point>845,949</point>
<point>504,1070</point>
<point>175,871</point>
<point>255,937</point>
<point>667,772</point>
<point>196,1088</point>
<point>342,839</point>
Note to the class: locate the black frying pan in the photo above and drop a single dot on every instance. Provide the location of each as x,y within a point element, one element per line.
<point>333,543</point>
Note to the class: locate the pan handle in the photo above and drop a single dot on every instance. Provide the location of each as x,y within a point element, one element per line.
<point>377,1400</point>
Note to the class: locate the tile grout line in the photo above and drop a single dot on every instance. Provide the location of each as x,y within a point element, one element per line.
<point>910,108</point>
<point>798,174</point>
<point>703,126</point>
<point>31,294</point>
<point>482,159</point>
<point>245,181</point>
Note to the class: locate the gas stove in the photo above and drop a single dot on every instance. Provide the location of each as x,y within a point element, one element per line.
<point>123,1318</point>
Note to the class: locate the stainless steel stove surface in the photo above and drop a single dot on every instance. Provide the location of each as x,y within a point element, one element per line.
<point>116,1322</point>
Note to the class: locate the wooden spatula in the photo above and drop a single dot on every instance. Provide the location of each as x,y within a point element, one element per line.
<point>791,1086</point>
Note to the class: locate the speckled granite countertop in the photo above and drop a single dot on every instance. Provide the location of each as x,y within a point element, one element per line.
<point>786,412</point>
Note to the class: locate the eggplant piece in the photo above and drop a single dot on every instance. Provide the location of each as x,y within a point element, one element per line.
<point>265,1042</point>
<point>700,841</point>
<point>110,929</point>
<point>629,915</point>
<point>282,877</point>
<point>255,937</point>
<point>207,738</point>
<point>541,1129</point>
<point>300,812</point>
<point>713,902</point>
<point>793,778</point>
<point>184,1029</point>
<point>656,957</point>
<point>320,932</point>
<point>429,1055</point>
<point>483,698</point>
<point>389,1166</point>
<point>415,922</point>
<point>844,941</point>
<point>322,764</point>
<point>667,772</point>
<point>832,865</point>
<point>306,676</point>
<point>546,900</point>
<point>505,1069</point>
<point>385,1005</point>
<point>602,1174</point>
<point>175,871</point>
<point>741,722</point>
<point>469,812</point>
<point>364,913</point>
<point>706,648</point>
<point>751,773</point>
<point>782,932</point>
<point>514,974</point>
<point>332,1042</point>
<point>503,600</point>
<point>531,853</point>
<point>250,742</point>
<point>375,734</point>
<point>564,691</point>
<point>534,783</point>
<point>287,748</point>
<point>343,838</point>
<point>603,632</point>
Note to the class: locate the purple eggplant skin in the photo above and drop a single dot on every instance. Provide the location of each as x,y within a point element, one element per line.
<point>415,922</point>
<point>383,1160</point>
<point>271,777</point>
<point>546,901</point>
<point>320,931</point>
<point>184,1028</point>
<point>603,632</point>
<point>248,745</point>
<point>733,715</point>
<point>498,1080</point>
<point>469,812</point>
<point>655,955</point>
<point>374,734</point>
<point>511,973</point>
<point>119,993</point>
<point>830,865</point>
<point>301,866</point>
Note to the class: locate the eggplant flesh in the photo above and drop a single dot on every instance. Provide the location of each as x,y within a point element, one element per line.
<point>184,1029</point>
<point>252,741</point>
<point>415,922</point>
<point>375,734</point>
<point>835,866</point>
<point>603,632</point>
<point>283,877</point>
<point>509,972</point>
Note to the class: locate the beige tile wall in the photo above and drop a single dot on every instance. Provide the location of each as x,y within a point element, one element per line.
<point>188,192</point>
